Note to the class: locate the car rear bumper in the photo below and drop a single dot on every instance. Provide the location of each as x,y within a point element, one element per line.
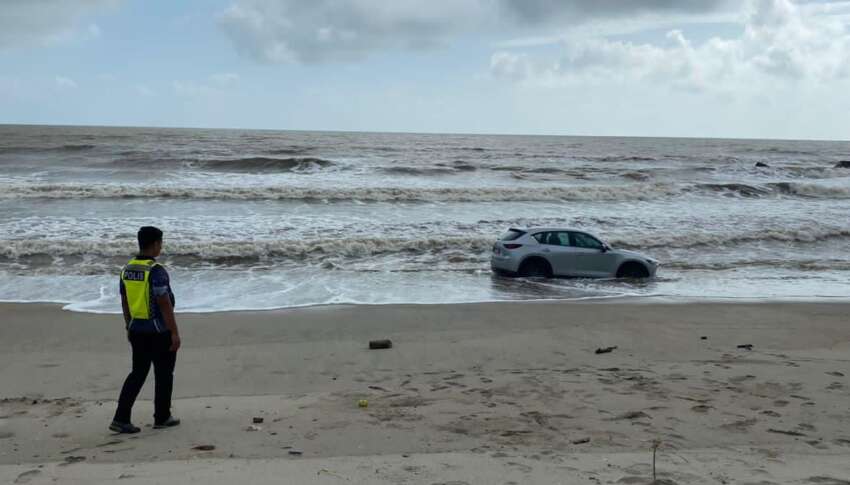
<point>504,264</point>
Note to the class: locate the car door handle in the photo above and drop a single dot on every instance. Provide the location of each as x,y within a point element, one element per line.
<point>546,250</point>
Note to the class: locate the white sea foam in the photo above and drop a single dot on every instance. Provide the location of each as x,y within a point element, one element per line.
<point>539,193</point>
<point>371,194</point>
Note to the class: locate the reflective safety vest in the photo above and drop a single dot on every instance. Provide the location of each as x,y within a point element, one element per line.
<point>136,276</point>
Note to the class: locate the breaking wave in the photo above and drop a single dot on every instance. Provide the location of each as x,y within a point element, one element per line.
<point>686,240</point>
<point>247,251</point>
<point>450,249</point>
<point>795,189</point>
<point>802,265</point>
<point>367,194</point>
<point>425,171</point>
<point>551,193</point>
<point>264,164</point>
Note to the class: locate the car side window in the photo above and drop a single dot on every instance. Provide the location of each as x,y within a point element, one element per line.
<point>581,240</point>
<point>563,238</point>
<point>553,238</point>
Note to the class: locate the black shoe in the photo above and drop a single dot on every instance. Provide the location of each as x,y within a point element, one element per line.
<point>126,428</point>
<point>168,423</point>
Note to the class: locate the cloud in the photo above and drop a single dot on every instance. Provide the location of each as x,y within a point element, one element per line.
<point>26,22</point>
<point>94,30</point>
<point>144,90</point>
<point>63,82</point>
<point>780,41</point>
<point>327,30</point>
<point>224,79</point>
<point>216,84</point>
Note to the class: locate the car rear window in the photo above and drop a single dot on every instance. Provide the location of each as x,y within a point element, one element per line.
<point>512,235</point>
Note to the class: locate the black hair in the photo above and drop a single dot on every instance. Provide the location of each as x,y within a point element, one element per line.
<point>147,236</point>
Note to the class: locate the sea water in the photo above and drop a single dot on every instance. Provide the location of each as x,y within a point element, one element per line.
<point>271,219</point>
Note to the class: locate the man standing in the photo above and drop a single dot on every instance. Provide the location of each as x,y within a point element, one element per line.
<point>148,305</point>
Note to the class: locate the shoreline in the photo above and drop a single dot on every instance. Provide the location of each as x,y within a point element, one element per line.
<point>592,300</point>
<point>472,393</point>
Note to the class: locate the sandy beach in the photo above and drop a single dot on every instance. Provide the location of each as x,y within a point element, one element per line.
<point>503,393</point>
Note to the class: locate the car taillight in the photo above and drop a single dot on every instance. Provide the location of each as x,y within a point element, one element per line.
<point>513,246</point>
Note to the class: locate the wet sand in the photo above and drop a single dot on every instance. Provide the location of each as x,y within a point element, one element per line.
<point>474,393</point>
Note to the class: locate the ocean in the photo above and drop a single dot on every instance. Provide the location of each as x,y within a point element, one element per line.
<point>273,219</point>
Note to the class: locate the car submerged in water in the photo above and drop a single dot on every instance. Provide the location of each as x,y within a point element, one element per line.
<point>565,252</point>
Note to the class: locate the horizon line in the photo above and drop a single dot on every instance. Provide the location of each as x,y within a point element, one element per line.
<point>400,132</point>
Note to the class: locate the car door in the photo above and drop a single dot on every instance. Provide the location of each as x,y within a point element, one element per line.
<point>591,259</point>
<point>555,246</point>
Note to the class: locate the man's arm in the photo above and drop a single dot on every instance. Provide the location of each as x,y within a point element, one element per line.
<point>124,306</point>
<point>161,290</point>
<point>167,309</point>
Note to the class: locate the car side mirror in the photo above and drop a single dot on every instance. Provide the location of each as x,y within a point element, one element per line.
<point>606,248</point>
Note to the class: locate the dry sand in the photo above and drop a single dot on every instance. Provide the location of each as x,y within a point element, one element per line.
<point>482,393</point>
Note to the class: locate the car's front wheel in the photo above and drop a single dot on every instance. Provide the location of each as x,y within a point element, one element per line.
<point>632,270</point>
<point>536,267</point>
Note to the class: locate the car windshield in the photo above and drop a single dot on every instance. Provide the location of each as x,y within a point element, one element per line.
<point>512,235</point>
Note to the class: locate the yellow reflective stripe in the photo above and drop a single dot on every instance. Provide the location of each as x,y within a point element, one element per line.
<point>136,267</point>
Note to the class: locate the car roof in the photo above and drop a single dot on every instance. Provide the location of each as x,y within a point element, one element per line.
<point>551,229</point>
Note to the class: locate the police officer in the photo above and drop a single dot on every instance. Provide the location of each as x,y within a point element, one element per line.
<point>148,305</point>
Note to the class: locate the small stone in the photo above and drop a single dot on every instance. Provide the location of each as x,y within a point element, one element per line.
<point>204,447</point>
<point>380,344</point>
<point>258,420</point>
<point>581,441</point>
<point>633,415</point>
<point>295,453</point>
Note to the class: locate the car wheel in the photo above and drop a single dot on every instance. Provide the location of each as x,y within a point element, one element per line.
<point>632,270</point>
<point>536,268</point>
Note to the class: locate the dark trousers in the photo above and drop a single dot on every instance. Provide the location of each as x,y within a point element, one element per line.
<point>147,349</point>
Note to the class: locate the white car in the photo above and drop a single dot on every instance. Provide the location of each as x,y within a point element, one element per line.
<point>547,252</point>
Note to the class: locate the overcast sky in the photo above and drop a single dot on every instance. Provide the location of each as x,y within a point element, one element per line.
<point>719,68</point>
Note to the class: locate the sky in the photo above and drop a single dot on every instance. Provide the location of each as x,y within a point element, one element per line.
<point>694,68</point>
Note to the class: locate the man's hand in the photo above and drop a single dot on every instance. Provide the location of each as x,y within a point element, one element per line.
<point>175,342</point>
<point>164,302</point>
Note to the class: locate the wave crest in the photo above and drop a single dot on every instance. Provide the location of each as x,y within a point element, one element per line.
<point>368,194</point>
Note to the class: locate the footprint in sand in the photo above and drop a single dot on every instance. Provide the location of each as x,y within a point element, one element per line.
<point>522,467</point>
<point>4,435</point>
<point>823,480</point>
<point>740,426</point>
<point>27,476</point>
<point>632,415</point>
<point>702,408</point>
<point>835,386</point>
<point>740,379</point>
